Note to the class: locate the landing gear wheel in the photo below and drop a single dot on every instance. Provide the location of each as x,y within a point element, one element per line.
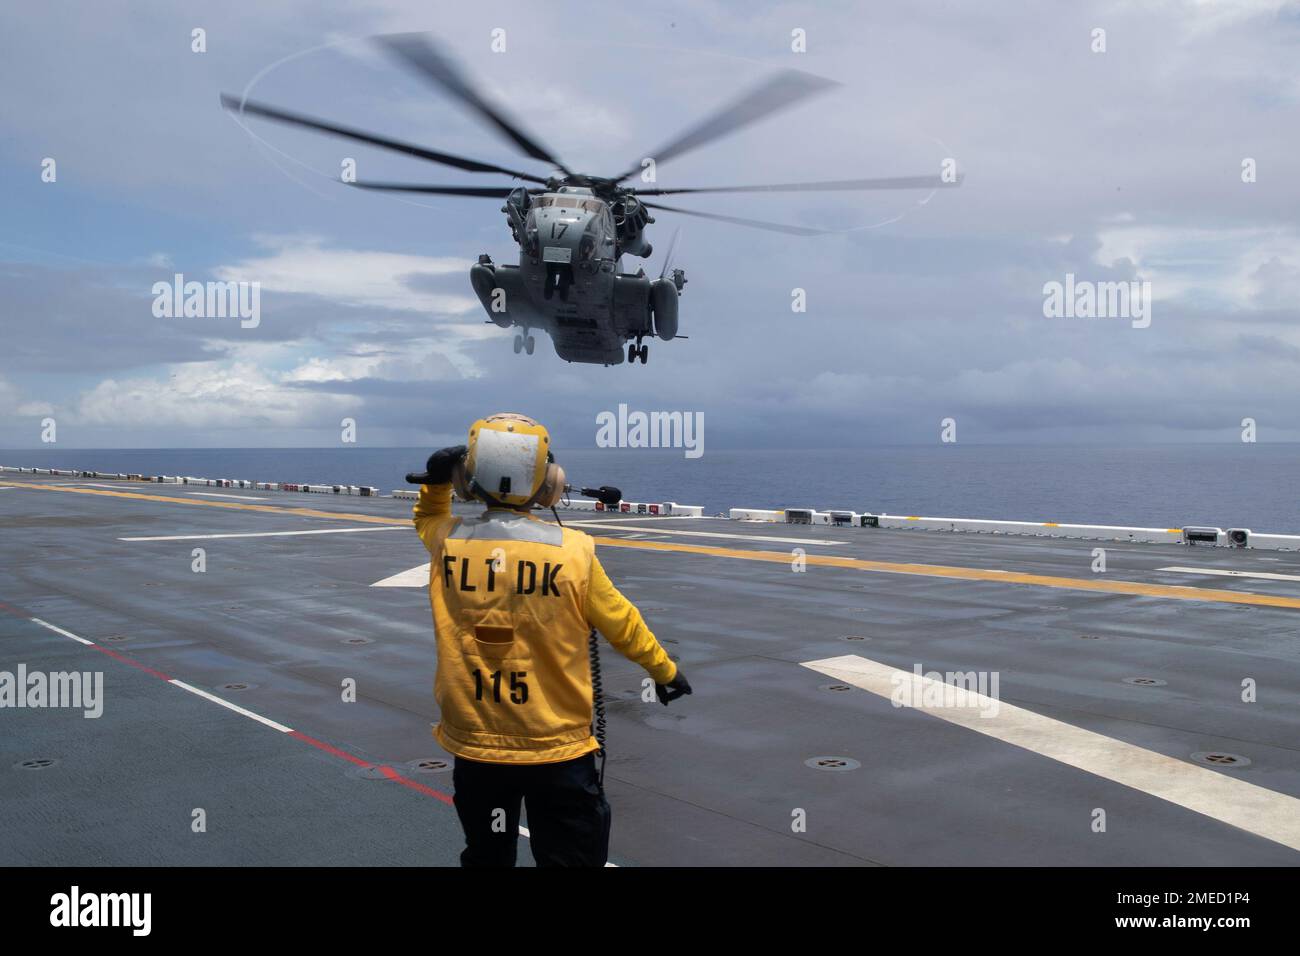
<point>631,354</point>
<point>529,342</point>
<point>645,354</point>
<point>519,344</point>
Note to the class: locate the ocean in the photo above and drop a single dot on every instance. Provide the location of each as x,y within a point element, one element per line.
<point>1240,485</point>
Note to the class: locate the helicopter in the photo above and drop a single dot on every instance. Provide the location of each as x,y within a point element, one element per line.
<point>573,228</point>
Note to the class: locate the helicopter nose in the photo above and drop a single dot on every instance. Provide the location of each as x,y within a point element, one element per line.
<point>560,233</point>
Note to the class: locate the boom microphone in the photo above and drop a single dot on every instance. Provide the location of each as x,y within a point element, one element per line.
<point>607,495</point>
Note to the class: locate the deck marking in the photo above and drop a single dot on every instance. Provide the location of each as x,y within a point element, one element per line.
<point>229,706</point>
<point>391,774</point>
<point>1266,813</point>
<point>334,751</point>
<point>260,534</point>
<point>1137,588</point>
<point>59,630</point>
<point>238,505</point>
<point>417,577</point>
<point>388,772</point>
<point>629,516</point>
<point>1261,575</point>
<point>213,494</point>
<point>130,663</point>
<point>617,526</point>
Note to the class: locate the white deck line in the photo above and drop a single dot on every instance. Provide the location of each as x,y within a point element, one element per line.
<point>229,706</point>
<point>1223,572</point>
<point>410,578</point>
<point>617,526</point>
<point>267,534</point>
<point>1265,813</point>
<point>59,630</point>
<point>214,494</point>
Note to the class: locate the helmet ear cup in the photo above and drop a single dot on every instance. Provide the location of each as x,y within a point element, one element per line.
<point>460,481</point>
<point>549,494</point>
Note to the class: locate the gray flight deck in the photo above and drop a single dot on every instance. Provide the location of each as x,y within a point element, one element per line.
<point>717,778</point>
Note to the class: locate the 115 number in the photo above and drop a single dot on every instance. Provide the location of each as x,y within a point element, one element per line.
<point>518,688</point>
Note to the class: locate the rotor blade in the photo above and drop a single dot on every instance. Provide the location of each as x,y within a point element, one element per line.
<point>752,223</point>
<point>668,258</point>
<point>891,182</point>
<point>488,192</point>
<point>242,107</point>
<point>774,94</point>
<point>418,51</point>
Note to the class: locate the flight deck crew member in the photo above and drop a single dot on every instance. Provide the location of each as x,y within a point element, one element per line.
<point>514,599</point>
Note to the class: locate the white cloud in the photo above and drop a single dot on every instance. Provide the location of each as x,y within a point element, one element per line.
<point>207,395</point>
<point>412,364</point>
<point>1223,265</point>
<point>12,404</point>
<point>357,277</point>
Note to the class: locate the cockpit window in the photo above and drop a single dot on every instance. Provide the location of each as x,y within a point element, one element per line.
<point>594,206</point>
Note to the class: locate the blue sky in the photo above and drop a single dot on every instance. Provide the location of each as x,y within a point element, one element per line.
<point>1117,165</point>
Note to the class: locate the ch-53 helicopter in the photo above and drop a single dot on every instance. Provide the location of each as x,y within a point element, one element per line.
<point>573,229</point>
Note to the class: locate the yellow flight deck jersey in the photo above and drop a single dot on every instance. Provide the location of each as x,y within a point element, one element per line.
<point>514,599</point>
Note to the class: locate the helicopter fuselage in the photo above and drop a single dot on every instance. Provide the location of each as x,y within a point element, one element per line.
<point>569,281</point>
<point>573,228</point>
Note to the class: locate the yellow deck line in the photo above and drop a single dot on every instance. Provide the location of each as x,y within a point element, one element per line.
<point>1137,588</point>
<point>1177,592</point>
<point>238,505</point>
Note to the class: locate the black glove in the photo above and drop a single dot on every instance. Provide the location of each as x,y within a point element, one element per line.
<point>677,687</point>
<point>437,471</point>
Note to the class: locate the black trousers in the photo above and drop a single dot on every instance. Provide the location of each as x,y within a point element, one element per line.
<point>568,816</point>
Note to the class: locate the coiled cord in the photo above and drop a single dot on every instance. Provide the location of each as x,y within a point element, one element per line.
<point>597,688</point>
<point>597,700</point>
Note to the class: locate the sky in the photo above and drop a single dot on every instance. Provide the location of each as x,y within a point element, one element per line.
<point>1123,164</point>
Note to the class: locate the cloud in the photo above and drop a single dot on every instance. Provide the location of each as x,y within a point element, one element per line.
<point>1122,165</point>
<point>88,320</point>
<point>201,396</point>
<point>12,405</point>
<point>1238,267</point>
<point>389,365</point>
<point>304,265</point>
<point>1275,284</point>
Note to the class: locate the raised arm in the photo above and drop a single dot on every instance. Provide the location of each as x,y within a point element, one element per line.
<point>432,507</point>
<point>434,504</point>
